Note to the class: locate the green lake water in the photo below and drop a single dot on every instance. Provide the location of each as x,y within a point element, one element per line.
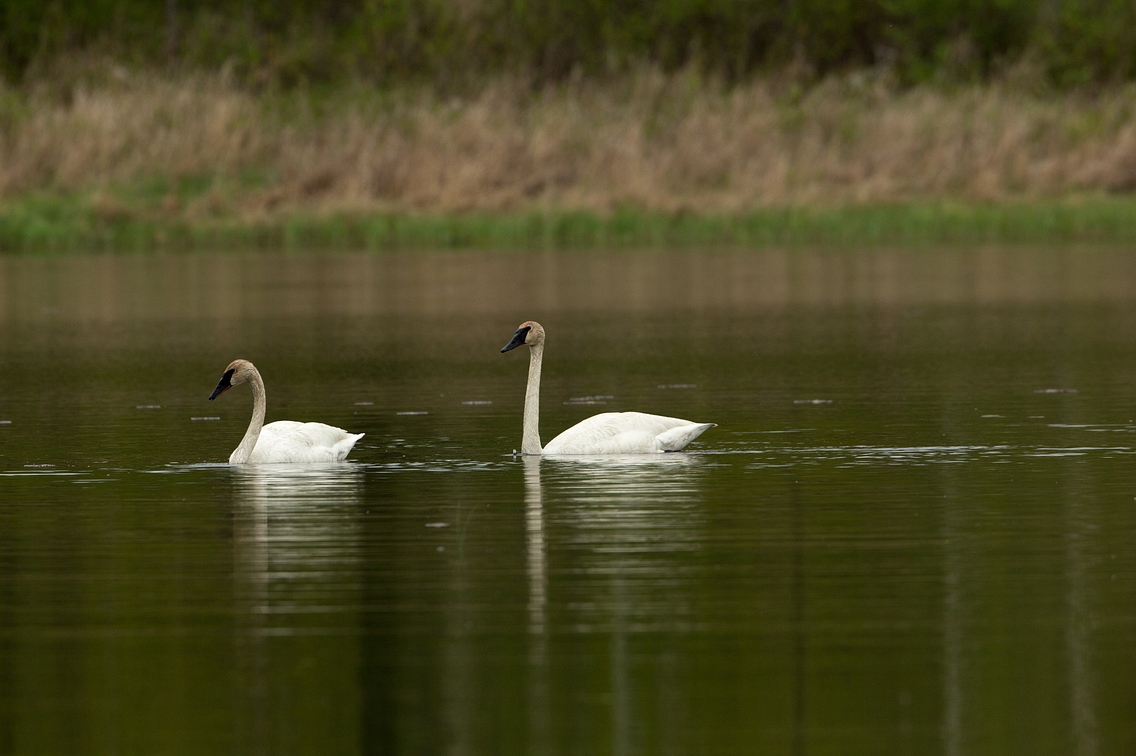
<point>912,531</point>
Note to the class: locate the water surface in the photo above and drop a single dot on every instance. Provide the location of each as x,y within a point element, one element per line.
<point>911,531</point>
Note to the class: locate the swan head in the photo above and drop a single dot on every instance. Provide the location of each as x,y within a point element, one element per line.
<point>237,373</point>
<point>529,334</point>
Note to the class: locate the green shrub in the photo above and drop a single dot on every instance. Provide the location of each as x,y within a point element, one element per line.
<point>288,42</point>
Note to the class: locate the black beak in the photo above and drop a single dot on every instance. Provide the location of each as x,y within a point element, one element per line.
<point>223,385</point>
<point>518,338</point>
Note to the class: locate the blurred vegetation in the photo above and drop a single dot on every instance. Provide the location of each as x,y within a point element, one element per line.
<point>291,42</point>
<point>39,224</point>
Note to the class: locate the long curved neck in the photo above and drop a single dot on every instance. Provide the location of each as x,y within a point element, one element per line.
<point>244,450</point>
<point>530,441</point>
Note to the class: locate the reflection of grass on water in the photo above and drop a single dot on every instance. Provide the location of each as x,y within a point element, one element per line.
<point>85,222</point>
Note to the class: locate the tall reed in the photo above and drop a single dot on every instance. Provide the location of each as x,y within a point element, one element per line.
<point>195,147</point>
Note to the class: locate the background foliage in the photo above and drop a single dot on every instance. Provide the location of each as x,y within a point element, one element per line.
<point>286,42</point>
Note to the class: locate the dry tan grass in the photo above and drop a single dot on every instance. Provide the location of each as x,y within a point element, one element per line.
<point>649,141</point>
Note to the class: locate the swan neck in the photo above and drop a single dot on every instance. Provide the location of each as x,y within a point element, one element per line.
<point>244,450</point>
<point>530,441</point>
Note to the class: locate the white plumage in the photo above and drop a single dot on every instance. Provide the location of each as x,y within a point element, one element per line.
<point>606,433</point>
<point>289,441</point>
<point>284,440</point>
<point>626,433</point>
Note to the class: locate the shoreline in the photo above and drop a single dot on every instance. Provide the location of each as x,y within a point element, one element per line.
<point>43,226</point>
<point>151,161</point>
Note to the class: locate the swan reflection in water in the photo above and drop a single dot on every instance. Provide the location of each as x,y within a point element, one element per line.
<point>616,503</point>
<point>295,528</point>
<point>296,557</point>
<point>632,525</point>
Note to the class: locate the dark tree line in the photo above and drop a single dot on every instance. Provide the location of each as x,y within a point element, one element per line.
<point>289,41</point>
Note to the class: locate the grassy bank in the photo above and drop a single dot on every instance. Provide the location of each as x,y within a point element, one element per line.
<point>70,225</point>
<point>144,160</point>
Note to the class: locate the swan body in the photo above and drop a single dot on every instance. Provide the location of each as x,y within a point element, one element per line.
<point>284,440</point>
<point>606,433</point>
<point>625,433</point>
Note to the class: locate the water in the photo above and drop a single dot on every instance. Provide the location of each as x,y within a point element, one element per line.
<point>912,531</point>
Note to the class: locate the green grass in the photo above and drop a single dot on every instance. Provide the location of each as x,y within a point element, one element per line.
<point>49,223</point>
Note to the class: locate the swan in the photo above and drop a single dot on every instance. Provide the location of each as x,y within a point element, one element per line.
<point>283,440</point>
<point>606,433</point>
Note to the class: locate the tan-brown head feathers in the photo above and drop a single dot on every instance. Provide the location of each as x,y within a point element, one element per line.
<point>238,372</point>
<point>528,334</point>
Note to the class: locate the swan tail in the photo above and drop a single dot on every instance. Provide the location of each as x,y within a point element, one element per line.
<point>344,447</point>
<point>677,438</point>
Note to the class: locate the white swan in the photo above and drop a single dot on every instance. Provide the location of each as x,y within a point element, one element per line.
<point>606,433</point>
<point>284,440</point>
